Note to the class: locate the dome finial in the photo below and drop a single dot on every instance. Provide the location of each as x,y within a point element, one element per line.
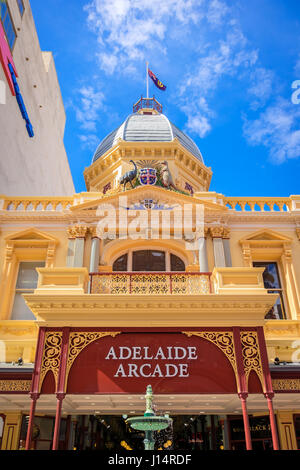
<point>147,106</point>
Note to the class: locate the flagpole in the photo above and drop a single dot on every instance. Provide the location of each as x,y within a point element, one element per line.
<point>147,79</point>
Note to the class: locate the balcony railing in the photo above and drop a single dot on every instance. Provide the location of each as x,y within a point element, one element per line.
<point>150,283</point>
<point>147,103</point>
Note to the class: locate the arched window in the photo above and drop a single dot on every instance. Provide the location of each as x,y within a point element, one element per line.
<point>149,260</point>
<point>121,263</point>
<point>176,263</point>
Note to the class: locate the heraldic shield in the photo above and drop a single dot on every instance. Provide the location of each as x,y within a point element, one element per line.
<point>147,176</point>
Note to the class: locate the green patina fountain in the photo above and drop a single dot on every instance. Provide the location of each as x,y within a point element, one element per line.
<point>149,422</point>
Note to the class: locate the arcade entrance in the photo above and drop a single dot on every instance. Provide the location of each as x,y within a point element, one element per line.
<point>189,432</point>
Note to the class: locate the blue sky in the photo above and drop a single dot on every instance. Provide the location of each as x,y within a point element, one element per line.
<point>228,66</point>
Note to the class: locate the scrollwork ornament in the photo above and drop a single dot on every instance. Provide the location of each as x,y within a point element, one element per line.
<point>78,341</point>
<point>223,340</point>
<point>51,355</point>
<point>251,354</point>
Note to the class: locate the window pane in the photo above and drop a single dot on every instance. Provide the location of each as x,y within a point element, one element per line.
<point>8,25</point>
<point>121,263</point>
<point>20,310</point>
<point>177,264</point>
<point>27,280</point>
<point>270,275</point>
<point>147,260</point>
<point>157,261</point>
<point>28,276</point>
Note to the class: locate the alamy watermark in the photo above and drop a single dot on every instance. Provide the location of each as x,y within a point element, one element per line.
<point>296,95</point>
<point>179,222</point>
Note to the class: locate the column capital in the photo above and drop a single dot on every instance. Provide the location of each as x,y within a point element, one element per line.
<point>77,231</point>
<point>269,395</point>
<point>34,396</point>
<point>60,396</point>
<point>203,234</point>
<point>219,231</point>
<point>243,395</point>
<point>94,232</point>
<point>226,232</point>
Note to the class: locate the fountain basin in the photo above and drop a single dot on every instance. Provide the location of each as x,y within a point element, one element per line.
<point>149,423</point>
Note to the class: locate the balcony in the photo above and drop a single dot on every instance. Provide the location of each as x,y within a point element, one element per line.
<point>72,297</point>
<point>150,283</point>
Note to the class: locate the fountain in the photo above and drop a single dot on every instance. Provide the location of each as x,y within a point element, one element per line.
<point>149,422</point>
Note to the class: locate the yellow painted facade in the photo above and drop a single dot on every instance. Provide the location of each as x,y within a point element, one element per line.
<point>54,230</point>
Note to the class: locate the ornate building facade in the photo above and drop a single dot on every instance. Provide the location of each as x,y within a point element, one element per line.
<point>149,278</point>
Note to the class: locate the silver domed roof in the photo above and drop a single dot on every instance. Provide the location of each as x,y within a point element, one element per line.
<point>147,128</point>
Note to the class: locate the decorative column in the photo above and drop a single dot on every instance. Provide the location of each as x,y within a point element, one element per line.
<point>34,398</point>
<point>77,235</point>
<point>226,245</point>
<point>268,387</point>
<point>243,397</point>
<point>60,394</point>
<point>242,385</point>
<point>60,397</point>
<point>217,234</point>
<point>95,251</point>
<point>34,394</point>
<point>269,397</point>
<point>203,262</point>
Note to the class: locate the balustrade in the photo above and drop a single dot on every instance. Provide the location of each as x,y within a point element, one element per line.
<point>150,283</point>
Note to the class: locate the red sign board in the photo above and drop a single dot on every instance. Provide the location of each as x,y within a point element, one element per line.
<point>170,362</point>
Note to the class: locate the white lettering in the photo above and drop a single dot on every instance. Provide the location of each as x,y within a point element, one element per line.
<point>157,371</point>
<point>132,370</point>
<point>168,366</point>
<point>146,349</point>
<point>120,371</point>
<point>183,368</point>
<point>112,353</point>
<point>136,354</point>
<point>176,356</point>
<point>192,352</point>
<point>121,356</point>
<point>142,370</point>
<point>160,354</point>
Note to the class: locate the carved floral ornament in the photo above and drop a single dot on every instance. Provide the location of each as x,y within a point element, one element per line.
<point>78,341</point>
<point>51,356</point>
<point>15,385</point>
<point>77,231</point>
<point>251,355</point>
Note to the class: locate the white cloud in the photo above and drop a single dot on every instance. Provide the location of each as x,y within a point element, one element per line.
<point>126,29</point>
<point>297,67</point>
<point>217,10</point>
<point>87,110</point>
<point>231,57</point>
<point>262,87</point>
<point>277,128</point>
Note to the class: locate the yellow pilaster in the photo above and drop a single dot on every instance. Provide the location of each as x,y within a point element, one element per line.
<point>11,432</point>
<point>286,430</point>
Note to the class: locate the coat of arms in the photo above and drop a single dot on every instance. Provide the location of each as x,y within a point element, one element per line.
<point>147,176</point>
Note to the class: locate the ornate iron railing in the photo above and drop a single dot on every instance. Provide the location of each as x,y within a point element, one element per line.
<point>147,103</point>
<point>150,283</point>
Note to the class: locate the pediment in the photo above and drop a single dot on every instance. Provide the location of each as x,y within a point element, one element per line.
<point>266,235</point>
<point>31,234</point>
<point>132,197</point>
